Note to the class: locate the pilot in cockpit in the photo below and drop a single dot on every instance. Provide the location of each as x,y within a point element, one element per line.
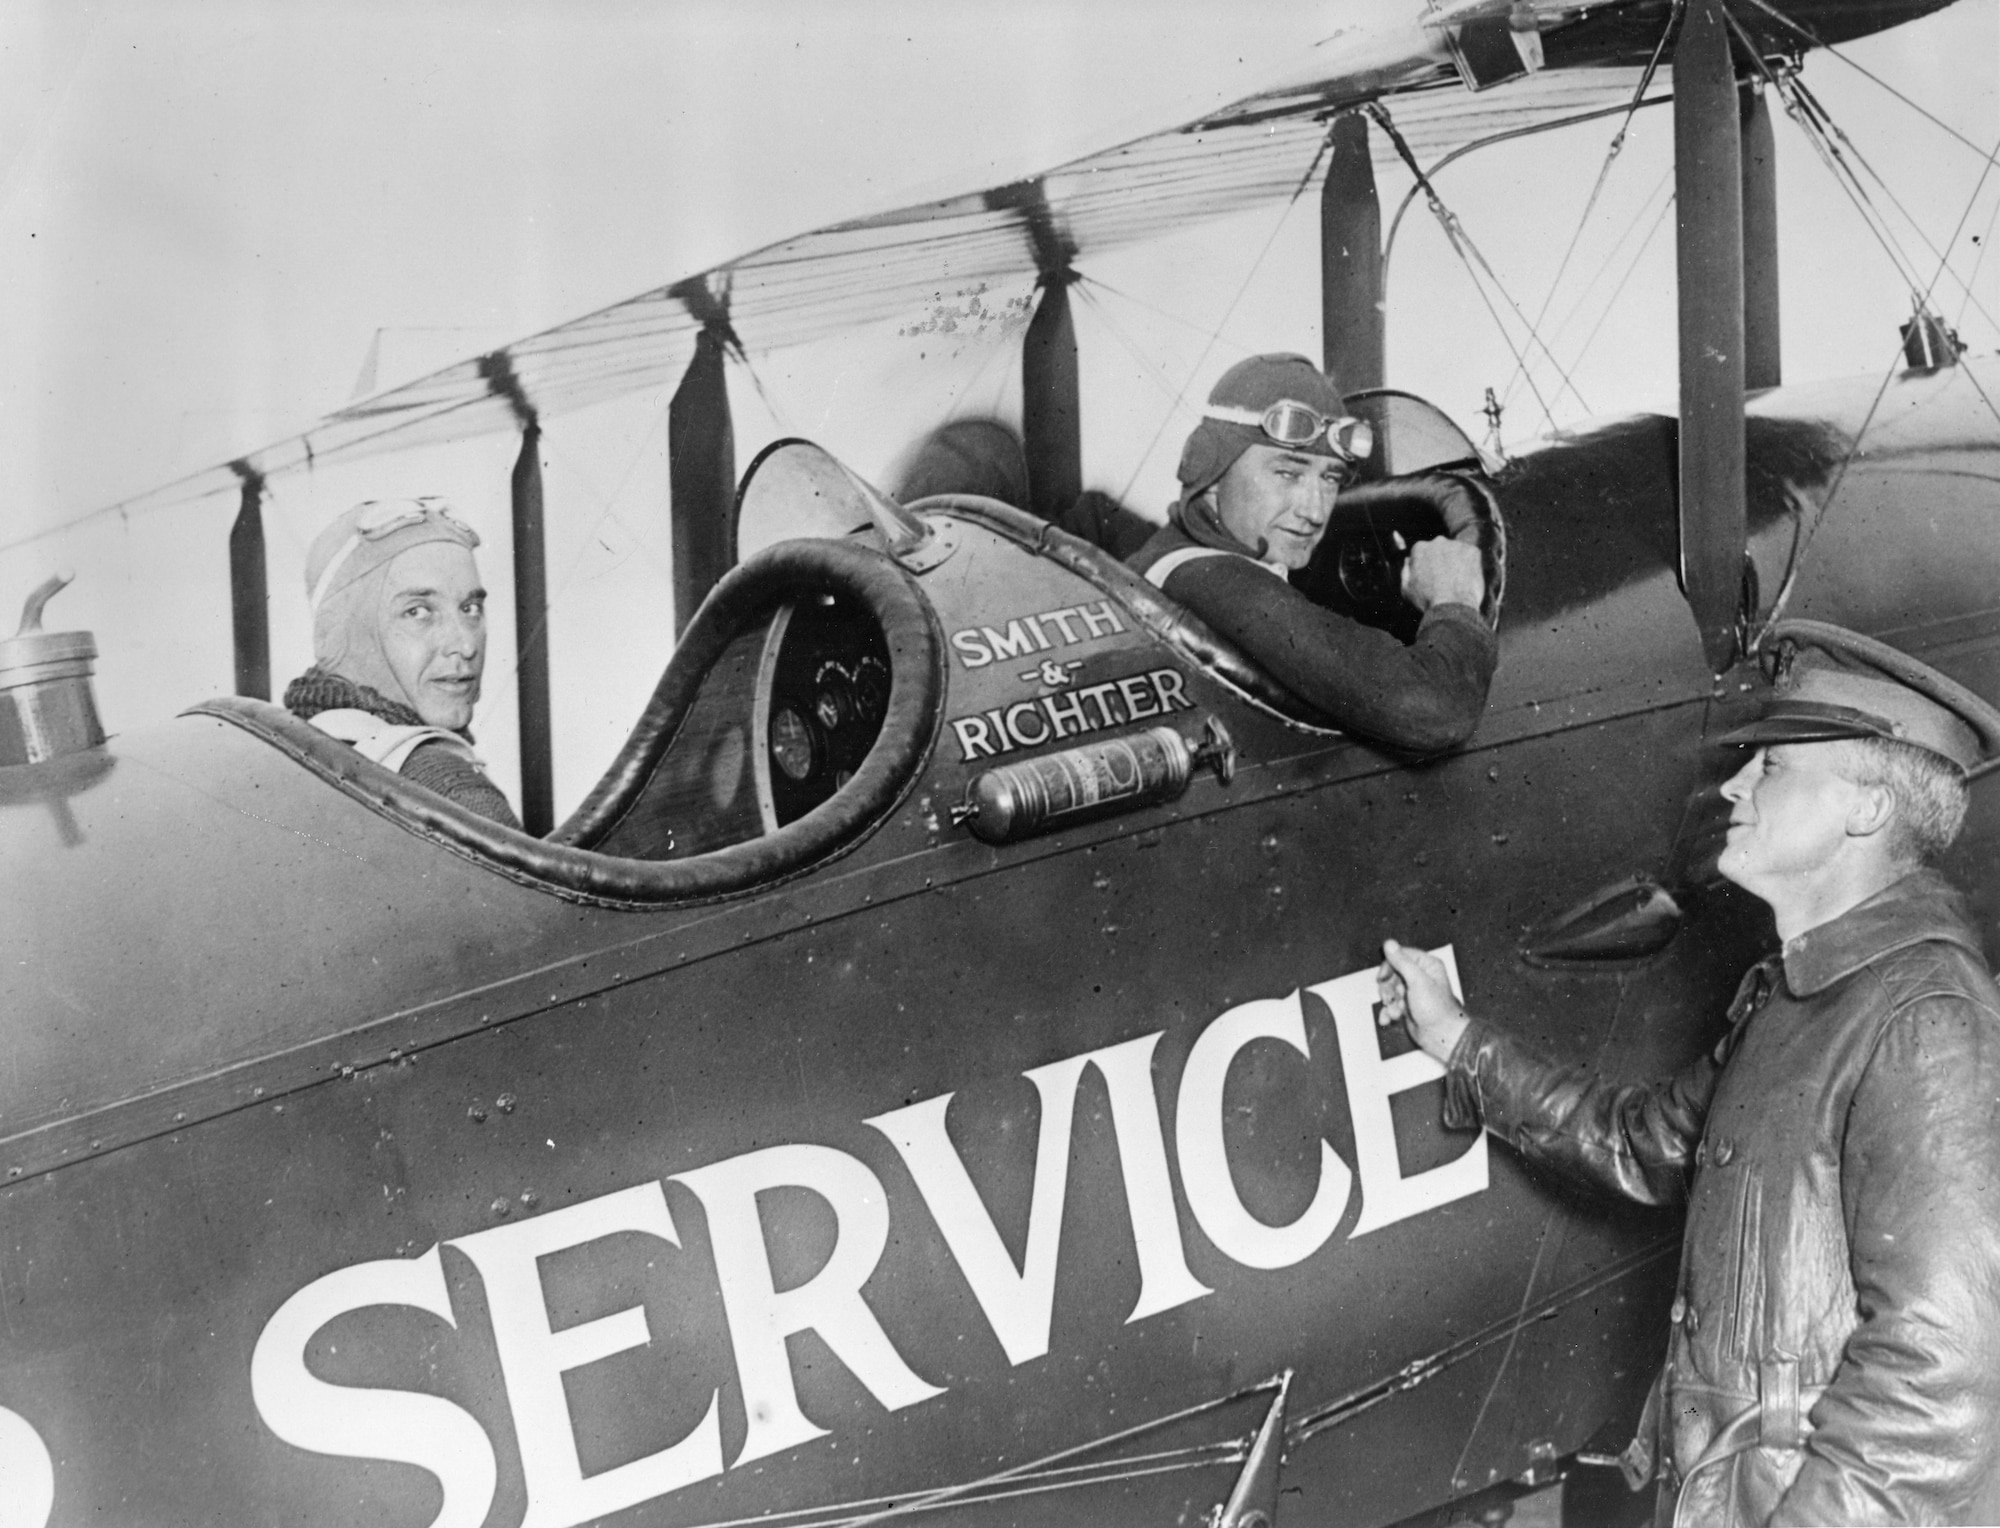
<point>1259,477</point>
<point>399,645</point>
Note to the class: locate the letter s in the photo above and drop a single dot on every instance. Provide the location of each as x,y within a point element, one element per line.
<point>397,1425</point>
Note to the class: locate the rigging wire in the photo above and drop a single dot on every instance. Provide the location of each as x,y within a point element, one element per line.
<point>1988,157</point>
<point>1822,123</point>
<point>1631,269</point>
<point>1661,190</point>
<point>923,1500</point>
<point>868,1509</point>
<point>1611,153</point>
<point>1804,111</point>
<point>1982,241</point>
<point>1139,302</point>
<point>1284,215</point>
<point>1812,40</point>
<point>1469,254</point>
<point>1941,255</point>
<point>560,594</point>
<point>996,349</point>
<point>1150,369</point>
<point>1928,289</point>
<point>1803,540</point>
<point>1418,1371</point>
<point>1808,117</point>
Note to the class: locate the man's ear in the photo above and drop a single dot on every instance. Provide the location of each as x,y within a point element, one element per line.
<point>1872,810</point>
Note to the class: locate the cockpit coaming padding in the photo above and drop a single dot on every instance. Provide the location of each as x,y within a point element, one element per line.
<point>567,864</point>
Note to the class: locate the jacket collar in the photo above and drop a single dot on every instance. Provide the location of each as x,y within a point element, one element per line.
<point>1921,907</point>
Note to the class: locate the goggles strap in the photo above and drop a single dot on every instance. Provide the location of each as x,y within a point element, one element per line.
<point>461,533</point>
<point>326,578</point>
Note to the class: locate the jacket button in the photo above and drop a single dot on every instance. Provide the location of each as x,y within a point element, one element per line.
<point>1723,1152</point>
<point>1679,1313</point>
<point>1693,1321</point>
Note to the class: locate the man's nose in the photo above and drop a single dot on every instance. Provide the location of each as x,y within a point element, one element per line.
<point>1316,503</point>
<point>465,637</point>
<point>1737,786</point>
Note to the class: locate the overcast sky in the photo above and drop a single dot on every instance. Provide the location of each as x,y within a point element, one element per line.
<point>212,216</point>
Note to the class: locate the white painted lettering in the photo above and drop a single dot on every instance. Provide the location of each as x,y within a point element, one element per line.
<point>1164,1278</point>
<point>1014,643</point>
<point>1172,695</point>
<point>1066,714</point>
<point>1071,713</point>
<point>1386,1195</point>
<point>1138,696</point>
<point>27,1472</point>
<point>1098,694</point>
<point>1018,732</point>
<point>972,649</point>
<point>1198,1134</point>
<point>975,739</point>
<point>978,646</point>
<point>1018,1303</point>
<point>357,1423</point>
<point>829,1303</point>
<point>533,1360</point>
<point>1101,619</point>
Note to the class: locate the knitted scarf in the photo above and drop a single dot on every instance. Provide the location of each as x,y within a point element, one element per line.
<point>316,690</point>
<point>1200,523</point>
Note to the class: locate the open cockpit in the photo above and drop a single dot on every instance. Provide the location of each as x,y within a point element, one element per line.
<point>807,698</point>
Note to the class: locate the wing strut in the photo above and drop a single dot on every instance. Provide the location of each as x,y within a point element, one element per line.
<point>249,588</point>
<point>1352,321</point>
<point>531,601</point>
<point>701,457</point>
<point>1761,366</point>
<point>1051,410</point>
<point>1708,190</point>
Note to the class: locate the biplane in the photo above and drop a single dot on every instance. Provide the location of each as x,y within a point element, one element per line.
<point>935,1072</point>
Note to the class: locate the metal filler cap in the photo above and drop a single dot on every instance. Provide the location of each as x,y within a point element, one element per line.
<point>47,708</point>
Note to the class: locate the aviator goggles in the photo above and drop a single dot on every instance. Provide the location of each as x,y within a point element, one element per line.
<point>1291,423</point>
<point>382,518</point>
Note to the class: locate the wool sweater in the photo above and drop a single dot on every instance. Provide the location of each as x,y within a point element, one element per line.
<point>451,772</point>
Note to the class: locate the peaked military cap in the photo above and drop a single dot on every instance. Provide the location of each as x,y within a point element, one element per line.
<point>1834,683</point>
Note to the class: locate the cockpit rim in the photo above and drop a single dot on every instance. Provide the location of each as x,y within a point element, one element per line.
<point>562,864</point>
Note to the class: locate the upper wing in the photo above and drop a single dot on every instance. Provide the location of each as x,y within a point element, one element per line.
<point>1261,150</point>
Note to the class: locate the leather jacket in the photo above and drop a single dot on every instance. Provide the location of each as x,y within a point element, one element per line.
<point>1839,1155</point>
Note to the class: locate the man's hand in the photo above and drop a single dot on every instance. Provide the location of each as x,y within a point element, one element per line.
<point>1443,572</point>
<point>1415,990</point>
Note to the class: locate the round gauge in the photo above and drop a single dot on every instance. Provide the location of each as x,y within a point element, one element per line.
<point>1369,573</point>
<point>871,688</point>
<point>831,706</point>
<point>792,743</point>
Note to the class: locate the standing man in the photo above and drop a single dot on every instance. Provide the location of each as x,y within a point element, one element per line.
<point>399,646</point>
<point>1835,1353</point>
<point>1259,477</point>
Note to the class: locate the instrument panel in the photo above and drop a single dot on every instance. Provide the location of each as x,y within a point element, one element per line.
<point>822,692</point>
